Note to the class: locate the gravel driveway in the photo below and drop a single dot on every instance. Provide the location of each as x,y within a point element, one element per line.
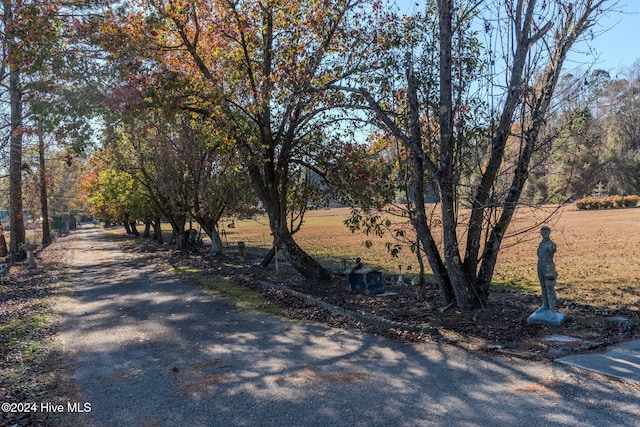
<point>152,350</point>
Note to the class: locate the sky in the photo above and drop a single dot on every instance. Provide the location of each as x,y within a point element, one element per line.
<point>616,45</point>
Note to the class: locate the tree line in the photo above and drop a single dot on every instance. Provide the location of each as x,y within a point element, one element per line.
<point>191,110</point>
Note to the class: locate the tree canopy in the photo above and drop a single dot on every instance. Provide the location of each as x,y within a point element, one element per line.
<point>193,109</point>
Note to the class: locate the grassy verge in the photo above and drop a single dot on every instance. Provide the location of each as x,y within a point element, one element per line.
<point>222,287</point>
<point>23,335</point>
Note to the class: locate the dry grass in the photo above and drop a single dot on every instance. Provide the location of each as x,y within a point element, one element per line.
<point>594,248</point>
<point>325,236</point>
<point>598,257</point>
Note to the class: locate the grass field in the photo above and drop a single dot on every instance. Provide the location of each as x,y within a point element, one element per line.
<point>598,253</point>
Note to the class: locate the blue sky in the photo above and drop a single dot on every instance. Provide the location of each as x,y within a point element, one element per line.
<point>617,44</point>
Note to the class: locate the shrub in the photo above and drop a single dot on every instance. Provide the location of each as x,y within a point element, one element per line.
<point>588,203</point>
<point>607,202</point>
<point>631,201</point>
<point>618,201</point>
<point>581,204</point>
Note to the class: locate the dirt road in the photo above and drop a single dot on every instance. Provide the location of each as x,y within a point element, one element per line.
<point>152,350</point>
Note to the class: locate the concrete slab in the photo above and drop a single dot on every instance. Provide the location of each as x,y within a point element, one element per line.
<point>543,316</point>
<point>621,362</point>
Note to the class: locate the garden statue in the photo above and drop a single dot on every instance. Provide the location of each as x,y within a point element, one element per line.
<point>547,275</point>
<point>29,248</point>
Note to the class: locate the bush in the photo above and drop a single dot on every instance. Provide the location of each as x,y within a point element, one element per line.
<point>618,201</point>
<point>583,204</point>
<point>607,202</point>
<point>631,201</point>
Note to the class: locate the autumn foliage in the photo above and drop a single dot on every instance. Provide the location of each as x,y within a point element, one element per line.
<point>609,202</point>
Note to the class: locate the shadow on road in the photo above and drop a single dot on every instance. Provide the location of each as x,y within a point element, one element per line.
<point>154,350</point>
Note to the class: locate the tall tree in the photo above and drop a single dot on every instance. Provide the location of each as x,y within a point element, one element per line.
<point>30,31</point>
<point>12,55</point>
<point>567,166</point>
<point>261,62</point>
<point>465,153</point>
<point>596,139</point>
<point>110,194</point>
<point>621,118</point>
<point>44,202</point>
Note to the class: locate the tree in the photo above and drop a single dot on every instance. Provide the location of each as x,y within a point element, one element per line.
<point>111,195</point>
<point>11,55</point>
<point>595,139</point>
<point>220,187</point>
<point>36,186</point>
<point>621,114</point>
<point>31,47</point>
<point>180,157</point>
<point>44,202</point>
<point>441,124</point>
<point>184,165</point>
<point>577,159</point>
<point>64,172</point>
<point>151,151</point>
<point>568,166</point>
<point>262,63</point>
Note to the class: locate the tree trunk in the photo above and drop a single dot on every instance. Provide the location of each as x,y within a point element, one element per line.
<point>147,229</point>
<point>498,147</point>
<point>209,225</point>
<point>157,229</point>
<point>127,227</point>
<point>419,219</point>
<point>44,205</point>
<point>466,298</point>
<point>134,229</point>
<point>15,150</point>
<point>304,264</point>
<point>180,239</point>
<point>268,257</point>
<point>216,242</point>
<point>3,242</point>
<point>271,189</point>
<point>179,236</point>
<point>308,267</point>
<point>67,223</point>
